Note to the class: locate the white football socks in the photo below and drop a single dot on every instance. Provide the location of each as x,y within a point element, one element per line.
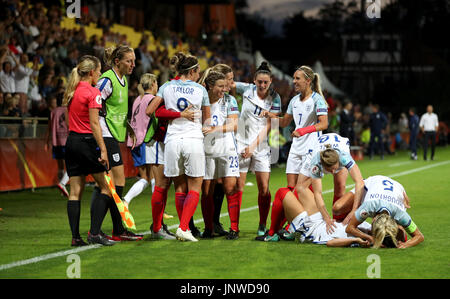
<point>135,190</point>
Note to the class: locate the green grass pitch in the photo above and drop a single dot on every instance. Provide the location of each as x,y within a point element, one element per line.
<point>35,236</point>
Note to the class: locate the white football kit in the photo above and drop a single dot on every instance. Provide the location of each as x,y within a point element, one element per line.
<point>220,148</point>
<point>305,114</point>
<point>314,168</point>
<point>250,125</point>
<point>184,152</point>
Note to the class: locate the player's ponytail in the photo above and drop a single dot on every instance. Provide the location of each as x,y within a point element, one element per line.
<point>384,231</point>
<point>329,157</point>
<point>183,63</point>
<point>202,79</point>
<point>263,68</point>
<point>86,64</point>
<point>313,77</point>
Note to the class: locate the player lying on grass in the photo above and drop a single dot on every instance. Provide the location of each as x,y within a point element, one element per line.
<point>384,200</point>
<point>307,223</point>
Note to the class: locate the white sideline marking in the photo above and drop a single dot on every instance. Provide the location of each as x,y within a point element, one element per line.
<point>84,248</point>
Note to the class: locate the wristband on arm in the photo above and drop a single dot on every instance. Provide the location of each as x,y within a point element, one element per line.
<point>306,130</point>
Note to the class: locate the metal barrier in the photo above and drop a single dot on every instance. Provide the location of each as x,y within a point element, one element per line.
<point>23,127</point>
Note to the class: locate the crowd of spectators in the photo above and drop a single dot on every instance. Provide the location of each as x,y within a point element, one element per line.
<point>37,54</point>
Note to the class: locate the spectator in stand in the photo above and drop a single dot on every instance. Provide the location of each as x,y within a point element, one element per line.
<point>347,120</point>
<point>429,125</point>
<point>22,80</point>
<point>7,78</point>
<point>378,122</point>
<point>413,125</point>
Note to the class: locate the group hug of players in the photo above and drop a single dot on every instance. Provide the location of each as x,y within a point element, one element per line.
<point>191,132</point>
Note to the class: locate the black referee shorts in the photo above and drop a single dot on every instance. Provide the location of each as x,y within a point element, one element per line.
<point>82,153</point>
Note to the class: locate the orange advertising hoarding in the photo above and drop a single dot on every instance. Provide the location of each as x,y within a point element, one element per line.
<point>24,164</point>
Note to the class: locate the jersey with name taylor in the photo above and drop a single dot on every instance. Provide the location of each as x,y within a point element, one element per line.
<point>178,95</point>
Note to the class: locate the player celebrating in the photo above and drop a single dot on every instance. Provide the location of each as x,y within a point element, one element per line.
<point>332,156</point>
<point>385,201</point>
<point>218,187</point>
<point>307,223</point>
<point>85,149</point>
<point>252,133</point>
<point>184,154</point>
<point>309,111</point>
<point>221,155</point>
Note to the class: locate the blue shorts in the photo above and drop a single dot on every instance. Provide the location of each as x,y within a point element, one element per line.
<point>139,155</point>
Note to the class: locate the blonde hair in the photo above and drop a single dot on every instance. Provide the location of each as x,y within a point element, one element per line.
<point>204,75</point>
<point>329,156</point>
<point>222,68</point>
<point>86,64</point>
<point>115,52</point>
<point>314,77</point>
<point>146,81</point>
<point>384,228</point>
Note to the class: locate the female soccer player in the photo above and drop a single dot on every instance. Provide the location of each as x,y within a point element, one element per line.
<point>222,161</point>
<point>332,156</point>
<point>253,148</point>
<point>184,155</point>
<point>85,149</point>
<point>385,201</point>
<point>307,223</point>
<point>218,187</point>
<point>113,86</point>
<point>144,127</point>
<point>309,111</point>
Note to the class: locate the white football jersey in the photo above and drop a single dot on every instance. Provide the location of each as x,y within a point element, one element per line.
<point>305,114</point>
<point>384,189</point>
<point>336,141</point>
<point>250,121</point>
<point>221,144</point>
<point>178,95</point>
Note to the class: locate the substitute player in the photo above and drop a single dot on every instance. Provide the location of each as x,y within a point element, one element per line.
<point>385,201</point>
<point>184,154</point>
<point>85,149</point>
<point>253,128</point>
<point>113,86</point>
<point>143,127</point>
<point>222,161</point>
